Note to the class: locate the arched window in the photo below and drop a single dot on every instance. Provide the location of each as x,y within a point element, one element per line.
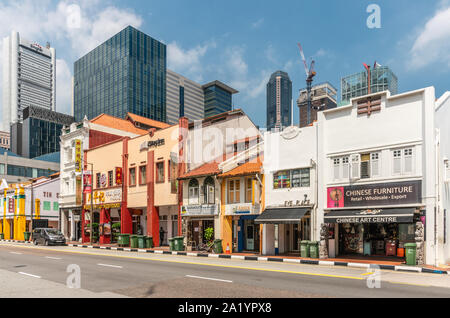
<point>193,191</point>
<point>210,191</point>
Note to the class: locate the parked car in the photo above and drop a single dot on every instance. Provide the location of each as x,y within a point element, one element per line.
<point>48,236</point>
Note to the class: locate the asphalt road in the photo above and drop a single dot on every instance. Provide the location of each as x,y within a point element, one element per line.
<point>169,276</point>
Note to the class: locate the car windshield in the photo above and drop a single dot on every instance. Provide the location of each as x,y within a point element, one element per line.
<point>53,232</point>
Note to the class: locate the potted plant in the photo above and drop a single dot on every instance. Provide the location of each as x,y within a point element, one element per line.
<point>209,234</point>
<point>115,231</point>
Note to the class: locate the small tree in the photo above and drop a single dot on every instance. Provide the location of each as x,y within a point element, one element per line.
<point>209,233</point>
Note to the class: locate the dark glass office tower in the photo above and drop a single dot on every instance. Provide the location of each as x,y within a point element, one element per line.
<point>279,101</point>
<point>39,133</point>
<point>218,98</point>
<point>125,74</point>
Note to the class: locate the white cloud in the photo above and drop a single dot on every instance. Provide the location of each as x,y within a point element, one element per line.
<point>74,27</point>
<point>188,61</point>
<point>258,24</point>
<point>433,43</point>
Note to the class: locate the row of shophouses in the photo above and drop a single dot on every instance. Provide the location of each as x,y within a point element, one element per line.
<point>364,179</point>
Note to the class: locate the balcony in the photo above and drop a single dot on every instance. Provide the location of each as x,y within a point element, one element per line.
<point>200,210</point>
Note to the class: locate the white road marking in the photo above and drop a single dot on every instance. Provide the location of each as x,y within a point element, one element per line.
<point>29,275</point>
<point>17,253</point>
<point>219,280</point>
<point>49,257</point>
<point>107,265</point>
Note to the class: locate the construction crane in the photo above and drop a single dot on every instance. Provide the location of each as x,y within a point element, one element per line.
<point>310,73</point>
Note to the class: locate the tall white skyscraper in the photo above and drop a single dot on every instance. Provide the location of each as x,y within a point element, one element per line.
<point>29,78</point>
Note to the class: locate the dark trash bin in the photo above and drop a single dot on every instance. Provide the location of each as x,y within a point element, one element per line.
<point>141,241</point>
<point>410,253</point>
<point>133,241</point>
<point>313,249</point>
<point>172,244</point>
<point>304,249</point>
<point>123,239</point>
<point>149,242</point>
<point>218,246</point>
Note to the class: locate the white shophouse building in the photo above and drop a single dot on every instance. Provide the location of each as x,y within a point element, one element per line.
<point>383,165</point>
<point>289,170</point>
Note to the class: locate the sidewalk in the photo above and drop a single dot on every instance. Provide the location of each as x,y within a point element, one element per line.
<point>388,264</point>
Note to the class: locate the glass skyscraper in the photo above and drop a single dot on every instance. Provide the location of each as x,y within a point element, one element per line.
<point>355,85</point>
<point>218,98</point>
<point>279,101</point>
<point>127,73</point>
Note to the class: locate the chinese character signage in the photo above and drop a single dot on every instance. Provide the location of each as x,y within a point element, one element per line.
<point>382,194</point>
<point>119,176</point>
<point>78,155</point>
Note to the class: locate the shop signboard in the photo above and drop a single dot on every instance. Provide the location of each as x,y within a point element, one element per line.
<point>118,175</point>
<point>380,194</point>
<point>87,181</point>
<point>107,199</point>
<point>198,210</point>
<point>78,155</point>
<point>242,208</point>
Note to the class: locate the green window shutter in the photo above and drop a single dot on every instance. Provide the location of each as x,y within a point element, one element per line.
<point>55,206</point>
<point>47,206</point>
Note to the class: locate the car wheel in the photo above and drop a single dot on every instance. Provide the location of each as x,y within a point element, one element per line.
<point>35,242</point>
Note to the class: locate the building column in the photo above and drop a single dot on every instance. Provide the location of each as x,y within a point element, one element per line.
<point>225,221</point>
<point>84,238</point>
<point>21,218</point>
<point>6,224</point>
<point>183,129</point>
<point>152,211</point>
<point>105,217</point>
<point>15,222</point>
<point>72,226</point>
<point>126,220</point>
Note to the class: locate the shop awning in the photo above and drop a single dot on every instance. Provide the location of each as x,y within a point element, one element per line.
<point>282,216</point>
<point>398,215</point>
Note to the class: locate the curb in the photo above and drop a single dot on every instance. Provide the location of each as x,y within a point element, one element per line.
<point>398,268</point>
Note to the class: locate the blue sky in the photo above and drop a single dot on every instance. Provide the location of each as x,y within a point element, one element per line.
<point>242,42</point>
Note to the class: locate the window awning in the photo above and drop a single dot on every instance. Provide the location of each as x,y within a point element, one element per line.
<point>282,216</point>
<point>398,215</point>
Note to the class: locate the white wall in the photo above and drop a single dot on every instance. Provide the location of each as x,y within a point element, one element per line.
<point>442,124</point>
<point>404,120</point>
<point>284,154</point>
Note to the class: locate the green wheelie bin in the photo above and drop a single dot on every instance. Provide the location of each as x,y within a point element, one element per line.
<point>218,246</point>
<point>172,244</point>
<point>123,239</point>
<point>26,236</point>
<point>410,253</point>
<point>313,249</point>
<point>149,242</point>
<point>304,249</point>
<point>141,241</point>
<point>179,243</point>
<point>2,236</point>
<point>133,241</point>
